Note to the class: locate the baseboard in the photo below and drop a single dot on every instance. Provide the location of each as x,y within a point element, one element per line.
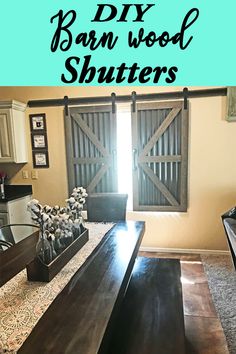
<point>183,250</point>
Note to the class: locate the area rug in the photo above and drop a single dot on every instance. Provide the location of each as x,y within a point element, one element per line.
<point>222,283</point>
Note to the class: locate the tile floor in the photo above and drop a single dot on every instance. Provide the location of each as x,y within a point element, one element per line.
<point>204,334</point>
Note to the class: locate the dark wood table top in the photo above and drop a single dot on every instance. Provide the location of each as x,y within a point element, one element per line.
<point>14,259</point>
<point>78,318</point>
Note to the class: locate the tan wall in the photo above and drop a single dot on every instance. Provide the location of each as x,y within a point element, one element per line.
<point>212,169</point>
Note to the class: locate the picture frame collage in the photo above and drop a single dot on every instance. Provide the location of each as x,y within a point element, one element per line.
<point>39,140</point>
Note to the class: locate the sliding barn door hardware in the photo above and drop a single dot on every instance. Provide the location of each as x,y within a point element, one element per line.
<point>66,102</point>
<point>185,92</point>
<point>133,98</point>
<point>113,102</point>
<point>76,101</point>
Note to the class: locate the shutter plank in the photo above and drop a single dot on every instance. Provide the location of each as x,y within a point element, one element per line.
<point>69,153</point>
<point>92,160</point>
<point>134,122</point>
<point>156,159</point>
<point>184,163</point>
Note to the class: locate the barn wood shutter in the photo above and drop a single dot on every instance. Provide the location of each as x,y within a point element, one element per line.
<point>91,148</point>
<point>160,145</point>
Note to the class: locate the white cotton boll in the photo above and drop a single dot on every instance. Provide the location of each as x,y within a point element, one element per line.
<point>35,209</point>
<point>34,201</point>
<point>63,216</point>
<point>72,200</point>
<point>52,237</point>
<point>45,217</point>
<point>32,205</point>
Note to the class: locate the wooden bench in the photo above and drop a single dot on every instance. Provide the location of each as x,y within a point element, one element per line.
<point>151,318</point>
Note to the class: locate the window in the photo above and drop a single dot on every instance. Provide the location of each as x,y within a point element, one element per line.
<point>154,141</point>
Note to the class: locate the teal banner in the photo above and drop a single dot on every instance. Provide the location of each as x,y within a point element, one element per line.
<point>163,42</point>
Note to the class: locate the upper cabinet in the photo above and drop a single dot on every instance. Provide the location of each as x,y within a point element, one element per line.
<point>13,146</point>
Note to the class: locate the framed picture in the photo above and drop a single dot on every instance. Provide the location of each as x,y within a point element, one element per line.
<point>231,104</point>
<point>39,141</point>
<point>40,159</point>
<point>38,122</point>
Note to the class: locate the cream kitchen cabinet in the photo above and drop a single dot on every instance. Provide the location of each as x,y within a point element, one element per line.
<point>13,146</point>
<point>3,219</point>
<point>15,211</point>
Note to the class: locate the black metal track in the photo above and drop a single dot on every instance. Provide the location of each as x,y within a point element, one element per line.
<point>127,98</point>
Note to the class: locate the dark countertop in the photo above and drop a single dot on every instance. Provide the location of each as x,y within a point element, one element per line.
<point>13,191</point>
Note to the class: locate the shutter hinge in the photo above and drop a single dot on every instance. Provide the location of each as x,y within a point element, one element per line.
<point>185,92</point>
<point>133,97</point>
<point>66,99</point>
<point>113,102</point>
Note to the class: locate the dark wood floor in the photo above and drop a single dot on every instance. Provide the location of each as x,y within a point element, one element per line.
<point>204,334</point>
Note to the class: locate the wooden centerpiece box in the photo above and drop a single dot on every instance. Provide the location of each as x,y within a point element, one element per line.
<point>38,271</point>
